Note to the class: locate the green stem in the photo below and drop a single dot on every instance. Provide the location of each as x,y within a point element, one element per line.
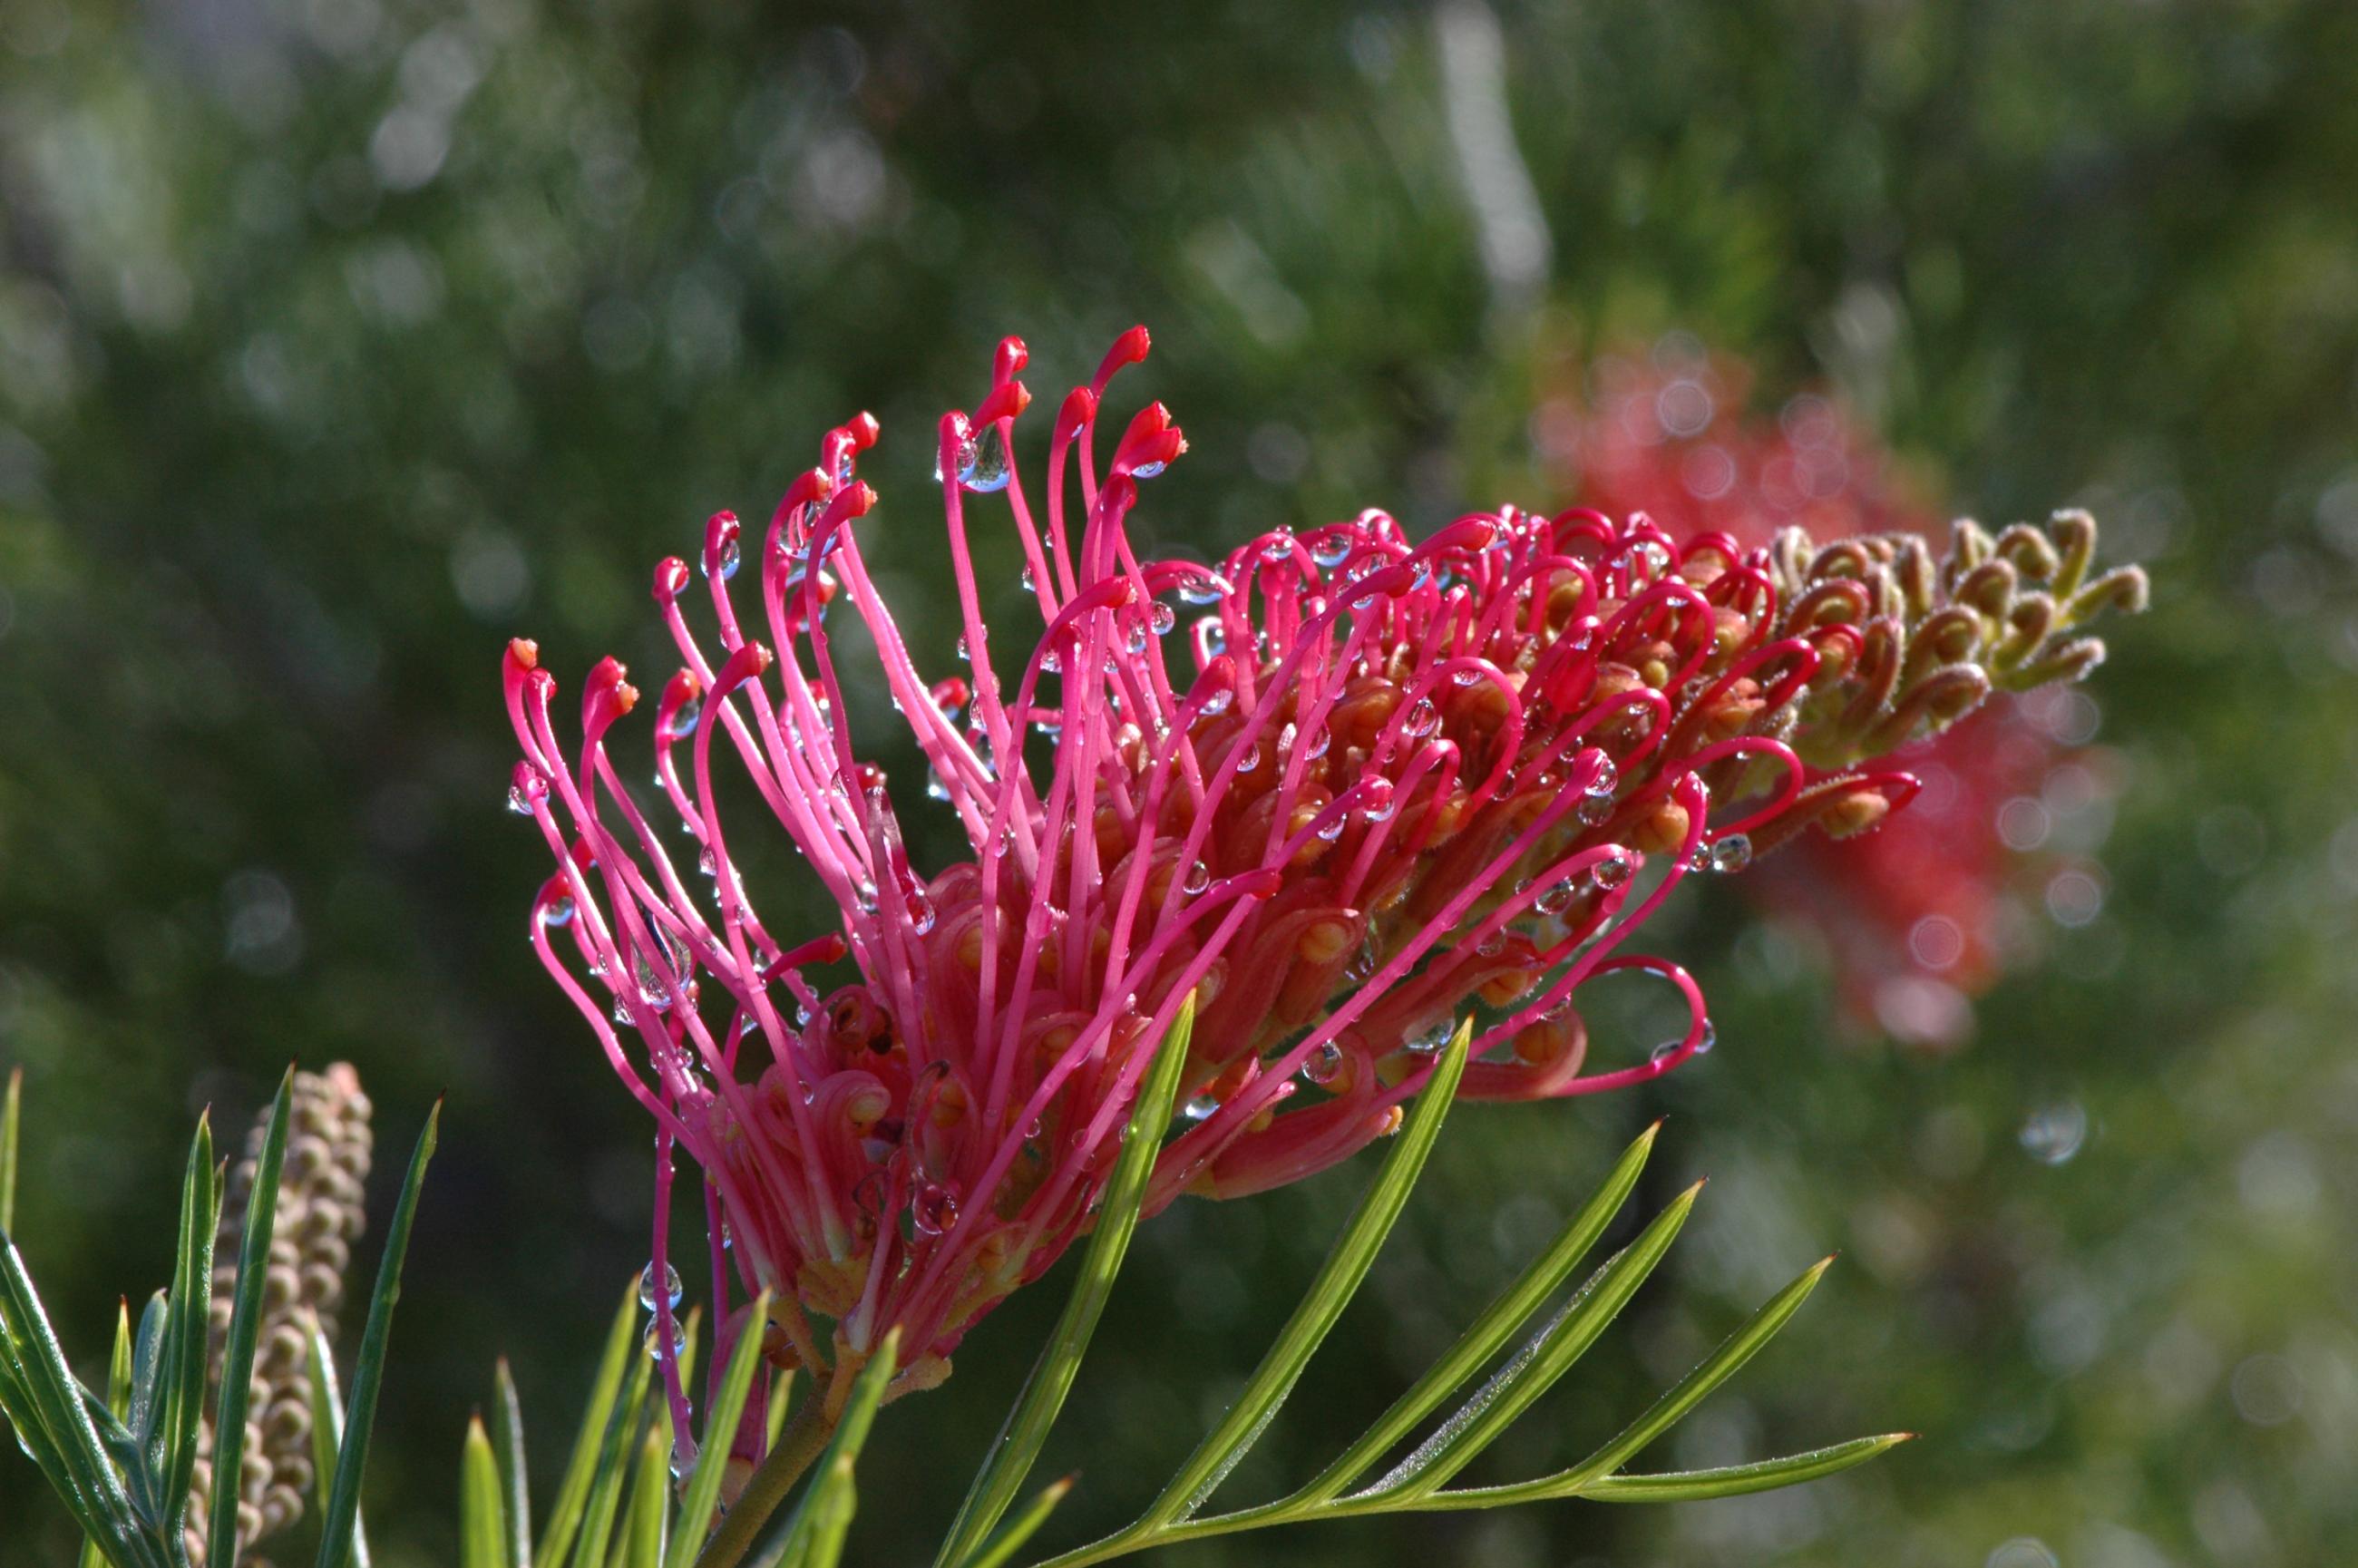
<point>805,1438</point>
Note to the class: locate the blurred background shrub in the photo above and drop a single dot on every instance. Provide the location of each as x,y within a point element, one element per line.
<point>340,339</point>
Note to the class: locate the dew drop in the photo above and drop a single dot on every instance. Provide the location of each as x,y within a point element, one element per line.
<point>1198,878</point>
<point>1611,871</point>
<point>1332,550</point>
<point>679,1339</point>
<point>1199,1107</point>
<point>1323,1066</point>
<point>1160,619</point>
<point>1203,588</point>
<point>933,1209</point>
<point>1731,852</point>
<point>1422,718</point>
<point>1662,1053</point>
<point>1430,1040</point>
<point>2053,1134</point>
<point>726,559</point>
<point>1277,549</point>
<point>708,863</point>
<point>557,912</point>
<point>672,1288</point>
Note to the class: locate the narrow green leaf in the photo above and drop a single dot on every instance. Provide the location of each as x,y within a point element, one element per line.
<point>186,1329</point>
<point>245,1329</point>
<point>824,1506</point>
<point>1355,1250</point>
<point>643,1527</point>
<point>1020,1439</point>
<point>1511,1391</point>
<point>118,1401</point>
<point>616,1445</point>
<point>1691,1390</point>
<point>1766,1475</point>
<point>573,1495</point>
<point>482,1522</point>
<point>1489,1332</point>
<point>780,1391</point>
<point>703,1492</point>
<point>836,1499</point>
<point>328,1432</point>
<point>1021,1528</point>
<point>11,1115</point>
<point>44,1402</point>
<point>341,1520</point>
<point>516,1489</point>
<point>147,1395</point>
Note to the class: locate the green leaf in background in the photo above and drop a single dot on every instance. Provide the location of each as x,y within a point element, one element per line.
<point>1026,1429</point>
<point>642,1527</point>
<point>588,1438</point>
<point>1696,1485</point>
<point>1534,1370</point>
<point>1338,1280</point>
<point>118,1401</point>
<point>1003,1547</point>
<point>813,1535</point>
<point>42,1400</point>
<point>514,1479</point>
<point>482,1516</point>
<point>1490,1332</point>
<point>328,1432</point>
<point>244,1328</point>
<point>11,1112</point>
<point>616,1445</point>
<point>703,1492</point>
<point>187,1330</point>
<point>340,1521</point>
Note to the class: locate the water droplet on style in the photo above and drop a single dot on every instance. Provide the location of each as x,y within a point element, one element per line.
<point>672,1288</point>
<point>1323,1065</point>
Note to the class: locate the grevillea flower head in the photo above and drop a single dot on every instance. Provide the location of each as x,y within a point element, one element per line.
<point>1340,788</point>
<point>1917,919</point>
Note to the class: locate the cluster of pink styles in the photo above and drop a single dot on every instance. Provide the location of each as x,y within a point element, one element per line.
<point>1341,787</point>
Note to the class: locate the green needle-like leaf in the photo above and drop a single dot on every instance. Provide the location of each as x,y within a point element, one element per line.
<point>1020,1528</point>
<point>1502,1400</point>
<point>341,1520</point>
<point>616,1445</point>
<point>1692,1389</point>
<point>1019,1442</point>
<point>483,1521</point>
<point>703,1492</point>
<point>514,1492</point>
<point>11,1115</point>
<point>118,1401</point>
<point>573,1493</point>
<point>328,1432</point>
<point>1694,1485</point>
<point>187,1330</point>
<point>642,1527</point>
<point>245,1329</point>
<point>825,1509</point>
<point>1491,1331</point>
<point>1338,1279</point>
<point>45,1403</point>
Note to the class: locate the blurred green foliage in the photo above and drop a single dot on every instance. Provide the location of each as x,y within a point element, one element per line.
<point>341,338</point>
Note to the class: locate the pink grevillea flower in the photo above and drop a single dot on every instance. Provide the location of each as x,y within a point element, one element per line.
<point>1917,918</point>
<point>1367,786</point>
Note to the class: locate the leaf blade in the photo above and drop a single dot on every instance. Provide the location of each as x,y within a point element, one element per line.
<point>1736,1480</point>
<point>703,1492</point>
<point>1337,1280</point>
<point>1025,1431</point>
<point>573,1493</point>
<point>340,1521</point>
<point>482,1523</point>
<point>245,1329</point>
